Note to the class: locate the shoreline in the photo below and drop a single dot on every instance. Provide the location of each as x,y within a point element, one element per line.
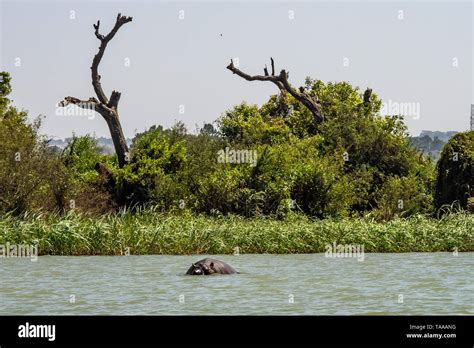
<point>150,233</point>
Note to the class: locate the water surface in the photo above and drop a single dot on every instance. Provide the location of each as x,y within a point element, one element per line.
<point>413,283</point>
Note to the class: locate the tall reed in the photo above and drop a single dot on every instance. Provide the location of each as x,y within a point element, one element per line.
<point>149,232</point>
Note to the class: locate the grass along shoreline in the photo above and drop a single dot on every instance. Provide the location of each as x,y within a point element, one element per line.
<point>148,232</point>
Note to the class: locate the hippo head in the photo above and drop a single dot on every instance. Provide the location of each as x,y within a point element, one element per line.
<point>202,268</point>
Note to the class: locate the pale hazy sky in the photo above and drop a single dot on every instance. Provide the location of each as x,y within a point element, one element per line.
<point>177,61</point>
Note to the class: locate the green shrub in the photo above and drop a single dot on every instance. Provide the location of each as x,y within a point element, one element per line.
<point>155,155</point>
<point>402,197</point>
<point>455,181</point>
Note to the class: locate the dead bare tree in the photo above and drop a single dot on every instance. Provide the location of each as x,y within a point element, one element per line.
<point>281,81</point>
<point>107,108</point>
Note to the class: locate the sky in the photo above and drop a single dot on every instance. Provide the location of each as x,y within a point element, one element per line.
<point>170,61</point>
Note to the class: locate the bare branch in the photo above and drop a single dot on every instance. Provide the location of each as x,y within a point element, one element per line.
<point>310,101</point>
<point>247,77</point>
<point>92,103</point>
<point>96,27</point>
<point>114,99</point>
<point>104,40</point>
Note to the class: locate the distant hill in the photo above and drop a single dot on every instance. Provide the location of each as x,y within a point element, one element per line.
<point>431,143</point>
<point>444,136</point>
<point>105,143</point>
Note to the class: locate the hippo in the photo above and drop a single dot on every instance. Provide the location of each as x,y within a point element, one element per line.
<point>210,266</point>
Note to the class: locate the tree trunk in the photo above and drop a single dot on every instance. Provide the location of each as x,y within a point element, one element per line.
<point>120,143</point>
<point>107,108</point>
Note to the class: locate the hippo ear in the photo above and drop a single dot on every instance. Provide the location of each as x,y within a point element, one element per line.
<point>212,264</point>
<point>194,265</point>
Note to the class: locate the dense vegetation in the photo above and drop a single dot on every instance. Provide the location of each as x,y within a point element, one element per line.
<point>455,182</point>
<point>149,232</point>
<point>356,164</point>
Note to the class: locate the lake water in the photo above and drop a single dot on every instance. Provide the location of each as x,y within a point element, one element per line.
<point>413,283</point>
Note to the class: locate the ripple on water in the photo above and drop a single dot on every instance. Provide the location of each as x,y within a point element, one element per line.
<point>430,283</point>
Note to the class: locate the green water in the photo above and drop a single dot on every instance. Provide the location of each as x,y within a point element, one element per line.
<point>430,283</point>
